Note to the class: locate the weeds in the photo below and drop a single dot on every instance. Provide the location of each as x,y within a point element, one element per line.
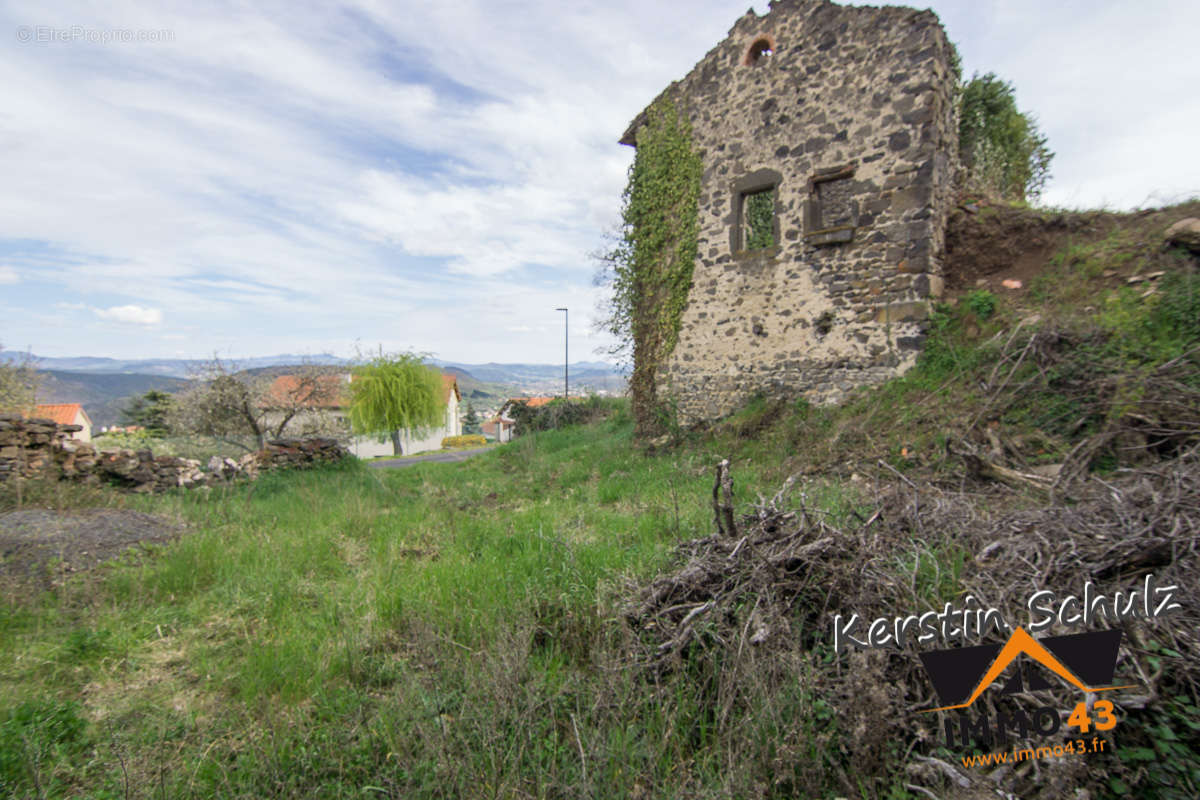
<point>38,740</point>
<point>982,303</point>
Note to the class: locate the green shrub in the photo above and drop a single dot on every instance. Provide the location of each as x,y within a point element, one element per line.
<point>137,440</point>
<point>946,352</point>
<point>982,303</point>
<point>1157,327</point>
<point>1177,314</point>
<point>1001,147</point>
<point>560,413</point>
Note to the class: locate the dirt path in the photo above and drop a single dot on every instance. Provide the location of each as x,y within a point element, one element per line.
<point>456,455</point>
<point>35,542</point>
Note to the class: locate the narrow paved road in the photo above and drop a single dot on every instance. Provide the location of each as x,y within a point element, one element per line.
<point>456,455</point>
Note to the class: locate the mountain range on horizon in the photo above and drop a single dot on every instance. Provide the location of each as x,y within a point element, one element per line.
<point>187,367</point>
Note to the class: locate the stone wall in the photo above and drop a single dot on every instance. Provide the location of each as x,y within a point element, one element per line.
<point>40,448</point>
<point>849,121</point>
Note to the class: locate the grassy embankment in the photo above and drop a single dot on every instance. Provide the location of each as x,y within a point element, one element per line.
<point>454,630</point>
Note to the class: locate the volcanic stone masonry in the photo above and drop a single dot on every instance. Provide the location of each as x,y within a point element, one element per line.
<point>844,116</point>
<point>43,449</point>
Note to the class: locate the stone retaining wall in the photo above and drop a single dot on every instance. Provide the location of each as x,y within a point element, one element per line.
<point>40,448</point>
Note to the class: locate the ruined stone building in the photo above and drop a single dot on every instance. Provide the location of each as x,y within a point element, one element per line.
<point>828,142</point>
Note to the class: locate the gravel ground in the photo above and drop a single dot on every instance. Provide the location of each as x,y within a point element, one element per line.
<point>73,541</point>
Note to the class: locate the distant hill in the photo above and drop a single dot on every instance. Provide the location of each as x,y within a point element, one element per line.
<point>475,390</point>
<point>172,367</point>
<point>102,395</point>
<point>521,373</point>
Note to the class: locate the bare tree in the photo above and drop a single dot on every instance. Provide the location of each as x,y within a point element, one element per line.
<point>235,407</point>
<point>18,383</point>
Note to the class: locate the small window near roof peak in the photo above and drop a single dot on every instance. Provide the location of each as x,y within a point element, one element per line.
<point>760,49</point>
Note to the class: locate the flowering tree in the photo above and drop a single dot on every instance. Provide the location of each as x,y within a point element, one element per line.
<point>246,410</point>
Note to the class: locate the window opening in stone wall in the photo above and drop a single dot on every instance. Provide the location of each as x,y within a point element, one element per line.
<point>836,203</point>
<point>758,211</point>
<point>754,206</point>
<point>832,209</point>
<point>759,51</point>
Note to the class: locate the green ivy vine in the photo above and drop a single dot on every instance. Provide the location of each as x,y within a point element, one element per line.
<point>650,267</point>
<point>760,220</point>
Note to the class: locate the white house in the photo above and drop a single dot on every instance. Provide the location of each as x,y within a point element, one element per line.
<point>502,426</point>
<point>334,400</point>
<point>498,428</point>
<point>67,414</point>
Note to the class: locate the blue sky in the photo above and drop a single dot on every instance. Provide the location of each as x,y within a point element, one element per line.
<point>311,177</point>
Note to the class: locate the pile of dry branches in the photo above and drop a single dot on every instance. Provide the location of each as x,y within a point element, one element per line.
<point>769,583</point>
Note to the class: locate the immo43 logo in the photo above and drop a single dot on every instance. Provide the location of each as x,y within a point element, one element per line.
<point>962,675</point>
<point>1084,660</point>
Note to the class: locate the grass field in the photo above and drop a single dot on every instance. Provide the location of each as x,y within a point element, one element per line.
<point>455,630</point>
<point>438,631</point>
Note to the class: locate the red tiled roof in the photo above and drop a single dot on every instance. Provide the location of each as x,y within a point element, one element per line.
<point>62,413</point>
<point>532,402</point>
<point>330,391</point>
<point>449,382</point>
<point>491,425</point>
<point>289,390</point>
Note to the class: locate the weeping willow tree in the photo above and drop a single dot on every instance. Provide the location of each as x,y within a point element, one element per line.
<point>393,392</point>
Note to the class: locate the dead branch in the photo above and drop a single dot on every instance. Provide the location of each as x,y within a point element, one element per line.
<point>980,468</point>
<point>723,500</point>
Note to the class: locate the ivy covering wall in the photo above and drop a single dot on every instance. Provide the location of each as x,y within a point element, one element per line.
<point>760,220</point>
<point>650,268</point>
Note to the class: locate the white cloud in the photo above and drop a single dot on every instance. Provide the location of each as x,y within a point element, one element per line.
<point>287,175</point>
<point>133,315</point>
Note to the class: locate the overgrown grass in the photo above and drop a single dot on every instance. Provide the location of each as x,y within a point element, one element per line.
<point>452,630</point>
<point>442,630</point>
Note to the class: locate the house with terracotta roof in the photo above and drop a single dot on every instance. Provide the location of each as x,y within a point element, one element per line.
<point>319,391</point>
<point>502,426</point>
<point>498,428</point>
<point>67,414</point>
<point>532,402</point>
<point>328,396</point>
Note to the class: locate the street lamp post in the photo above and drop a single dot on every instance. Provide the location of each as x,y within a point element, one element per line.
<point>566,362</point>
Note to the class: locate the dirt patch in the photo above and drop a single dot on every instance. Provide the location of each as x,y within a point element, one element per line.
<point>35,543</point>
<point>997,243</point>
<point>987,244</point>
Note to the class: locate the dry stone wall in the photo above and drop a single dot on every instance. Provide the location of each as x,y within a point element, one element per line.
<point>41,449</point>
<point>845,114</point>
